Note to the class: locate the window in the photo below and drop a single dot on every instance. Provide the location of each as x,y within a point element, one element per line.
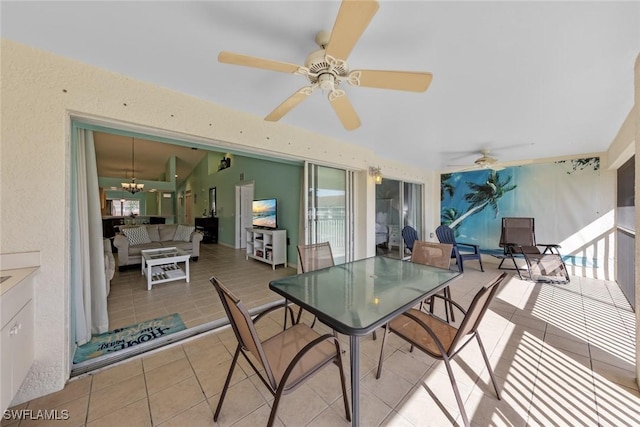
<point>124,207</point>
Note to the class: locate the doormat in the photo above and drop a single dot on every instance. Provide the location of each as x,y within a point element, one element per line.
<point>126,337</point>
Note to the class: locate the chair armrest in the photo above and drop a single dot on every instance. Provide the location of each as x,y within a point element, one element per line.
<point>476,248</point>
<point>549,247</point>
<point>271,309</point>
<point>452,302</point>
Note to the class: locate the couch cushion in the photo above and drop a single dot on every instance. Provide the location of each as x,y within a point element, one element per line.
<point>185,246</point>
<point>183,233</point>
<point>135,250</point>
<point>137,235</point>
<point>154,235</point>
<point>167,231</point>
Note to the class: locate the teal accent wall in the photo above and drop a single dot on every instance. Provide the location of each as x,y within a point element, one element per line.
<point>282,180</point>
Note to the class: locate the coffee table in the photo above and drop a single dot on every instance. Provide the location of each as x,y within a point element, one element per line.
<point>161,265</point>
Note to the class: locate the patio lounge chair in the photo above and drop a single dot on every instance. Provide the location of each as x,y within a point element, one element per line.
<point>518,239</point>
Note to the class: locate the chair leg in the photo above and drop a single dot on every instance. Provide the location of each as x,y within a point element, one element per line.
<point>516,266</point>
<point>486,361</point>
<point>456,392</point>
<point>274,407</point>
<point>384,337</point>
<point>480,261</point>
<point>226,384</point>
<point>448,307</point>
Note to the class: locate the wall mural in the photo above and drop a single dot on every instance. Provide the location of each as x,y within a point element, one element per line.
<point>474,202</point>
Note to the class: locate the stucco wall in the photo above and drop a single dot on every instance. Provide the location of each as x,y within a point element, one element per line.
<point>39,93</point>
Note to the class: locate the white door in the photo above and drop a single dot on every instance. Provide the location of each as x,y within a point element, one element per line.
<point>244,199</point>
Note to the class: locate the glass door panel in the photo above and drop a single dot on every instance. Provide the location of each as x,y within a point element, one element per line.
<point>328,209</point>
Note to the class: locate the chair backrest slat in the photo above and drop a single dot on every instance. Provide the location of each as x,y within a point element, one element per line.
<point>434,254</point>
<point>315,256</point>
<point>243,327</point>
<point>477,309</point>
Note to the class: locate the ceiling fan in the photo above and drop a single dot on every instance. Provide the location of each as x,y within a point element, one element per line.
<point>483,162</point>
<point>327,68</point>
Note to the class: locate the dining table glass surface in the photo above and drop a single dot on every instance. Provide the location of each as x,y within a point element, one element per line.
<point>354,297</point>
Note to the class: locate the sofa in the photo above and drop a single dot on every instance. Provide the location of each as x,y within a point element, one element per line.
<point>109,263</point>
<point>131,240</point>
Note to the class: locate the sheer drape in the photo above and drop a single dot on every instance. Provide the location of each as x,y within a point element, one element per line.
<point>88,282</point>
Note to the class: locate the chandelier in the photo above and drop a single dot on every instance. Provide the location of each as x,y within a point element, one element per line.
<point>132,187</point>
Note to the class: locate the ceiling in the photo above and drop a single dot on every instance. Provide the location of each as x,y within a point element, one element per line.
<point>114,155</point>
<point>526,80</point>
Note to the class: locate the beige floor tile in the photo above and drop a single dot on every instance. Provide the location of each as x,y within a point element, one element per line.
<point>168,375</point>
<point>372,409</point>
<point>303,397</point>
<point>389,388</point>
<point>199,415</point>
<point>136,414</point>
<point>116,396</point>
<point>162,357</point>
<point>115,374</point>
<point>175,399</point>
<point>259,417</point>
<point>241,400</point>
<point>68,414</point>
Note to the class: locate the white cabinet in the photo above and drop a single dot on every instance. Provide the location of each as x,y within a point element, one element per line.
<point>395,237</point>
<point>268,246</point>
<point>16,338</point>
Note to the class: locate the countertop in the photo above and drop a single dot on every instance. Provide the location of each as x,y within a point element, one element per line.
<point>17,275</point>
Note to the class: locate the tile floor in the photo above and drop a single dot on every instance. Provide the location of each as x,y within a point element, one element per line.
<point>130,302</point>
<point>564,356</point>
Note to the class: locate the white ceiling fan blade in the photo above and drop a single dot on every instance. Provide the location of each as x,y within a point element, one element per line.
<point>395,80</point>
<point>255,62</point>
<point>345,111</point>
<point>289,104</point>
<point>353,18</point>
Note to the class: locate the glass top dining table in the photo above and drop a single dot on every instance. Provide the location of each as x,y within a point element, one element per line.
<point>357,297</point>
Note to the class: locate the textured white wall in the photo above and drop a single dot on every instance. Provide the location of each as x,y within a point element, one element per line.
<point>39,92</point>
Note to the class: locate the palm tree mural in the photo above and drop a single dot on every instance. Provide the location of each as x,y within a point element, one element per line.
<point>486,194</point>
<point>446,186</point>
<point>448,215</point>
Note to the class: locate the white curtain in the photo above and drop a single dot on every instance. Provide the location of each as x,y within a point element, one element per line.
<point>88,282</point>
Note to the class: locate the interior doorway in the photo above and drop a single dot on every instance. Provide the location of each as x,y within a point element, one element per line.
<point>244,199</point>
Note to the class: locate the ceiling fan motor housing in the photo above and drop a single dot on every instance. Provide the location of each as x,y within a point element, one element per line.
<point>323,71</point>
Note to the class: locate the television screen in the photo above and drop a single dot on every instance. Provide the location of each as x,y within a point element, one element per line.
<point>264,213</point>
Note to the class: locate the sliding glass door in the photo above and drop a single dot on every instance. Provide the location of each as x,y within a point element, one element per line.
<point>398,204</point>
<point>329,209</point>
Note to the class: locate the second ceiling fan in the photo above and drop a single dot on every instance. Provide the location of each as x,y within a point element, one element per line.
<point>327,68</point>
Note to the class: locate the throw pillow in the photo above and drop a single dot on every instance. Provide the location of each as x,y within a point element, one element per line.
<point>137,235</point>
<point>183,233</point>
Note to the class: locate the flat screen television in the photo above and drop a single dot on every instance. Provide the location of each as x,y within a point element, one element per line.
<point>264,213</point>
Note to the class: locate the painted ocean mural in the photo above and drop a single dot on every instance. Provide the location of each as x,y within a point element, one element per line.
<point>559,195</point>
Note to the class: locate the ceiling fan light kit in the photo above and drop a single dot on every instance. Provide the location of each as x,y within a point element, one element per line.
<point>327,68</point>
